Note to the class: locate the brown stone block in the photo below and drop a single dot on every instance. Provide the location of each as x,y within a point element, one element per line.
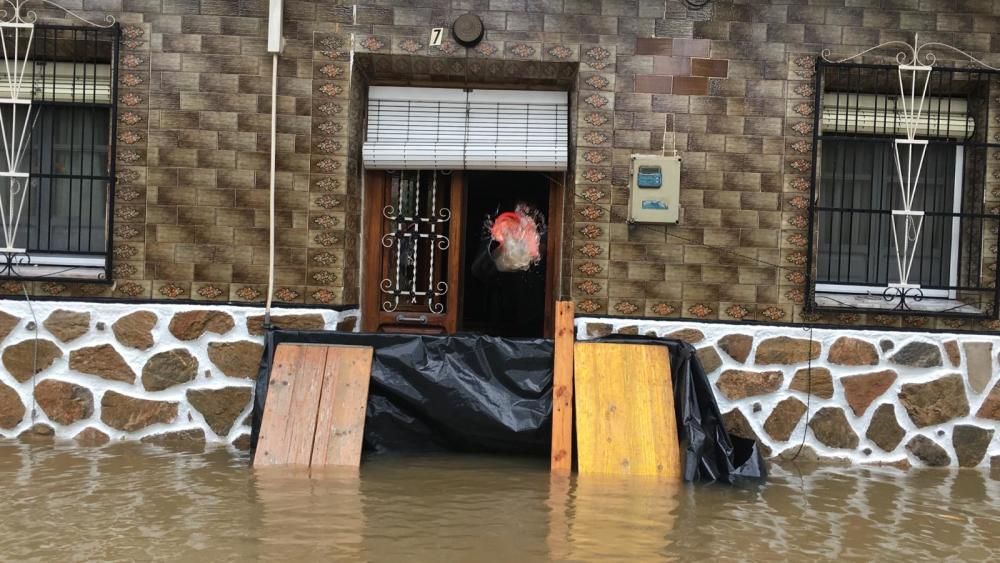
<point>161,176</point>
<point>721,199</point>
<point>737,293</point>
<point>213,272</point>
<point>198,139</point>
<point>764,126</point>
<point>710,67</point>
<point>197,215</point>
<point>765,238</point>
<point>216,198</point>
<point>161,214</point>
<point>712,105</point>
<point>653,84</point>
<point>860,36</point>
<point>653,46</point>
<point>703,217</point>
<point>220,44</point>
<point>174,156</point>
<point>626,101</point>
<point>725,125</point>
<point>645,271</point>
<point>170,270</point>
<point>173,233</point>
<point>690,85</point>
<point>672,66</point>
<point>632,139</point>
<point>667,290</point>
<point>214,235</point>
<point>721,237</point>
<point>700,292</point>
<point>175,82</point>
<point>692,47</point>
<point>237,141</point>
<point>208,158</point>
<point>666,103</point>
<point>165,61</point>
<point>245,273</point>
<point>740,218</point>
<point>760,201</point>
<point>626,288</point>
<point>880,19</point>
<point>824,34</point>
<point>235,179</point>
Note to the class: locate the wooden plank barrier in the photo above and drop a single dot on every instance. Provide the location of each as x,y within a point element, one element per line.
<point>315,409</point>
<point>625,410</point>
<point>562,390</point>
<point>340,426</point>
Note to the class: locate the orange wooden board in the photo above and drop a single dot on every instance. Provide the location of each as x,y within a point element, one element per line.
<point>289,421</point>
<point>625,410</point>
<point>562,390</point>
<point>341,423</point>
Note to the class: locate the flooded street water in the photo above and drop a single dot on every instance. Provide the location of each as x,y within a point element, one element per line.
<point>139,502</point>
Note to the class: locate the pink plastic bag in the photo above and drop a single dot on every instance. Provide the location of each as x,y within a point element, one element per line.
<point>518,235</point>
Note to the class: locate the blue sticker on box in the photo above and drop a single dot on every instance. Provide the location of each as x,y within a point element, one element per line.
<point>654,204</point>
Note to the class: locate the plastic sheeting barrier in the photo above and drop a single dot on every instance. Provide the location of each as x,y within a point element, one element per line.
<point>483,394</point>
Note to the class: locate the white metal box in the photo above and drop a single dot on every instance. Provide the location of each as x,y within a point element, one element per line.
<point>654,189</point>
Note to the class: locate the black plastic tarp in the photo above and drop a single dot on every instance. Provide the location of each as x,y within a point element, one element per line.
<point>483,394</point>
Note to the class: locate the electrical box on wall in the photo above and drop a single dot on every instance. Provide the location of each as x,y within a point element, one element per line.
<point>654,189</point>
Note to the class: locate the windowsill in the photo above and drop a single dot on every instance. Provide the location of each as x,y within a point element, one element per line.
<point>877,303</point>
<point>56,267</point>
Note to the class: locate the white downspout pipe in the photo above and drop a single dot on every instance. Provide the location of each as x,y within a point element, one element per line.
<point>275,42</point>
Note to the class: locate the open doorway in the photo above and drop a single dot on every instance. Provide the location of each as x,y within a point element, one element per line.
<point>424,267</point>
<point>494,302</point>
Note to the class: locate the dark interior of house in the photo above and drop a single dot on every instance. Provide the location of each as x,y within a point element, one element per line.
<point>494,302</point>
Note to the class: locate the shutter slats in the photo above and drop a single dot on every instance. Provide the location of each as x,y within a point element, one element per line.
<point>419,128</point>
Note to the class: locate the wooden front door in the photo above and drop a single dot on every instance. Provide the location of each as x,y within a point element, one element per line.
<point>413,251</point>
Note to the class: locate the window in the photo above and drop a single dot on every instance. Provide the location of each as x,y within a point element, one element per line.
<point>903,220</point>
<point>57,118</point>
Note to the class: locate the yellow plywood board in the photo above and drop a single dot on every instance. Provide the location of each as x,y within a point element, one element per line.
<point>625,422</point>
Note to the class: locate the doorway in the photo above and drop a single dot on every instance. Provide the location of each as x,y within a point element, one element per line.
<point>495,302</point>
<point>428,266</point>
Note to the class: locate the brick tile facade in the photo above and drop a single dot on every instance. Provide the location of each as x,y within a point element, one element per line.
<point>729,85</point>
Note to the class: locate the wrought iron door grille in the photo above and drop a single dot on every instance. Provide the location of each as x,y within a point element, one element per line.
<point>905,190</point>
<point>58,121</point>
<point>415,259</point>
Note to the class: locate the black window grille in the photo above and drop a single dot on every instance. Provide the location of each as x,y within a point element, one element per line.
<point>857,192</point>
<point>65,220</point>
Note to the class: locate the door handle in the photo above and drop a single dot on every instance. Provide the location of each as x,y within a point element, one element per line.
<point>420,319</point>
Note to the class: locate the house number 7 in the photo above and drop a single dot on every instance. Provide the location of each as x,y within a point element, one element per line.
<point>437,34</point>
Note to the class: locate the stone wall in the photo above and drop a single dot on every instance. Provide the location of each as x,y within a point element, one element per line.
<point>155,373</point>
<point>925,399</point>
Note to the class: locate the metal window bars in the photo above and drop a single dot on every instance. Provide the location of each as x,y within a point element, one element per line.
<point>58,87</point>
<point>905,191</point>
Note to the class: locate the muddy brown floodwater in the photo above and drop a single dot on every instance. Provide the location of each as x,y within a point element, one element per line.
<point>138,502</point>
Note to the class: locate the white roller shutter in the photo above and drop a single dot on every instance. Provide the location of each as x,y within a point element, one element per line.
<point>60,82</point>
<point>871,114</point>
<point>447,128</point>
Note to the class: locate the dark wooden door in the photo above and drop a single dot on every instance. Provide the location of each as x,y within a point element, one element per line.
<point>413,251</point>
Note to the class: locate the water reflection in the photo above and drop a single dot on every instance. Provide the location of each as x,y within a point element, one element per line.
<point>128,502</point>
